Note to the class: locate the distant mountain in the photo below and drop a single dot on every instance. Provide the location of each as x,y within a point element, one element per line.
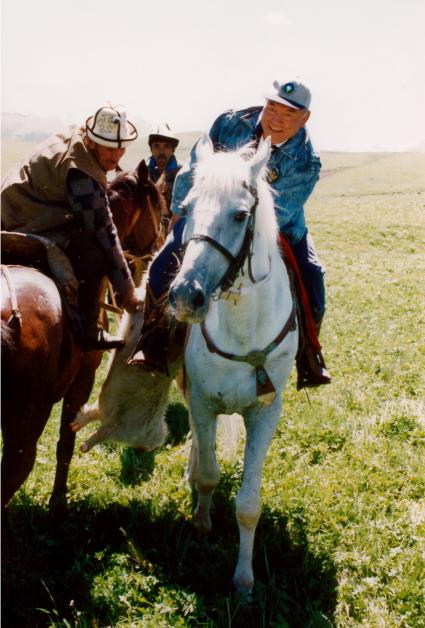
<point>27,128</point>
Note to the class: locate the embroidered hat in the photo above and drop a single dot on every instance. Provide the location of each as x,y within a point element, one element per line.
<point>109,127</point>
<point>292,94</point>
<point>163,133</point>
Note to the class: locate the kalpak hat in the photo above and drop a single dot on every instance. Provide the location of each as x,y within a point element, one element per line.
<point>292,94</point>
<point>109,127</point>
<point>163,133</point>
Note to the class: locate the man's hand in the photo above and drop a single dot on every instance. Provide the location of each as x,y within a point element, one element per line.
<point>131,303</point>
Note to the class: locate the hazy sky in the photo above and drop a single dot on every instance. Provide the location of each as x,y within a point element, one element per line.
<point>186,61</point>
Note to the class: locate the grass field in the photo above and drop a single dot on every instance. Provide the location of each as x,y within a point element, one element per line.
<point>341,541</point>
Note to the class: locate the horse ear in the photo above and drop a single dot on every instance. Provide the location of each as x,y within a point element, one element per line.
<point>260,158</point>
<point>142,172</point>
<point>203,148</point>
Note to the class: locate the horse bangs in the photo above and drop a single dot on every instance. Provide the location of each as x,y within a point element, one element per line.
<point>224,171</point>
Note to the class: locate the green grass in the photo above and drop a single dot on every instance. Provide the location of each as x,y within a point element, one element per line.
<point>341,541</point>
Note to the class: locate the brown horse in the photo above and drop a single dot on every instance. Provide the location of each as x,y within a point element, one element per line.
<point>42,361</point>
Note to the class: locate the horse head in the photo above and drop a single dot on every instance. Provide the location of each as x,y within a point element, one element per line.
<point>221,211</point>
<point>139,211</point>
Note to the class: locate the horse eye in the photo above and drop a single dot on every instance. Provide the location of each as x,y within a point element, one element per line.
<point>240,215</point>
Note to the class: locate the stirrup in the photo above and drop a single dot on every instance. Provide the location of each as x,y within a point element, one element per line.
<point>312,371</point>
<point>102,341</point>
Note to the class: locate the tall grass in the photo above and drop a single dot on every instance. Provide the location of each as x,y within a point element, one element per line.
<point>341,541</point>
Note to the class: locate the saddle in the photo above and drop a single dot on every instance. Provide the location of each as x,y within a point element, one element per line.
<point>44,255</point>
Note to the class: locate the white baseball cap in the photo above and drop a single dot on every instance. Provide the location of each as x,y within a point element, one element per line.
<point>109,127</point>
<point>292,94</point>
<point>162,133</point>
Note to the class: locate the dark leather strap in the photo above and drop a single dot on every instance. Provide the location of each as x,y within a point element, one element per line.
<point>255,358</point>
<point>215,244</point>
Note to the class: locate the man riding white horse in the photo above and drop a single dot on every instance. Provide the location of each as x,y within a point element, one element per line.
<point>59,192</point>
<point>293,171</point>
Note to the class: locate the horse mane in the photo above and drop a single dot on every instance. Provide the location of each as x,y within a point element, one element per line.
<point>225,172</point>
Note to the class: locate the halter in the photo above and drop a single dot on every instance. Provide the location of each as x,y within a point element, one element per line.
<point>236,262</point>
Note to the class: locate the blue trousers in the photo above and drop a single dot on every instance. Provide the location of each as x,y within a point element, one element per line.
<point>164,268</point>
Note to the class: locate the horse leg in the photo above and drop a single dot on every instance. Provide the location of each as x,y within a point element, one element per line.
<point>20,447</point>
<point>76,396</point>
<point>204,471</point>
<point>260,426</point>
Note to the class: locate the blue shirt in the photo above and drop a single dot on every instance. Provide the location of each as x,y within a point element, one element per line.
<point>293,168</point>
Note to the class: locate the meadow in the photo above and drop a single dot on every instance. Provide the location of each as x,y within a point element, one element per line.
<point>341,541</point>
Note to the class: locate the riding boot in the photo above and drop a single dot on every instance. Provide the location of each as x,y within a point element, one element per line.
<point>161,341</point>
<point>94,337</point>
<point>311,367</point>
<point>88,262</point>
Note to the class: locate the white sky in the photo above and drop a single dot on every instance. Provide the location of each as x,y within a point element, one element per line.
<point>187,61</point>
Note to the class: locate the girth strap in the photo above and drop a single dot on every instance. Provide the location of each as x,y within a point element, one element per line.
<point>16,314</point>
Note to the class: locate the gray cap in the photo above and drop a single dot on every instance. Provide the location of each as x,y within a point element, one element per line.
<point>292,94</point>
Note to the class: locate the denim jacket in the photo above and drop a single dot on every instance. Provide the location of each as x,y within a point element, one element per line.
<point>293,168</point>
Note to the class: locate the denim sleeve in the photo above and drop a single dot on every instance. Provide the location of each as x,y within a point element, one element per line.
<point>291,194</point>
<point>182,185</point>
<point>295,190</point>
<point>184,179</point>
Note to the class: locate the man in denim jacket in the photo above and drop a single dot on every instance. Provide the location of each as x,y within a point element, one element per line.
<point>293,170</point>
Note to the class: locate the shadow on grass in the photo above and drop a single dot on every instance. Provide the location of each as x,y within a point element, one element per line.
<point>85,568</point>
<point>138,466</point>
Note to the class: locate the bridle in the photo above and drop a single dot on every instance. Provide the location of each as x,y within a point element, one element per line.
<point>236,262</point>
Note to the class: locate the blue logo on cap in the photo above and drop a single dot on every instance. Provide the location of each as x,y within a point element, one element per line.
<point>288,88</point>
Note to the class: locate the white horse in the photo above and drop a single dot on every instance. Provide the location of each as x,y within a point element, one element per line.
<point>238,359</point>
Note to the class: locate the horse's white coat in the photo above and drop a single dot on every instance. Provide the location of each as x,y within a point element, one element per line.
<point>238,325</point>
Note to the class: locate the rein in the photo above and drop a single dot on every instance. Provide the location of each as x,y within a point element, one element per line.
<point>236,261</point>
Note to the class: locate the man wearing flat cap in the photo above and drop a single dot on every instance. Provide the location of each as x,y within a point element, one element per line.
<point>59,192</point>
<point>293,171</point>
<point>163,165</point>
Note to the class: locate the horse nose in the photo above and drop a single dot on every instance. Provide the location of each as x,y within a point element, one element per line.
<point>193,296</point>
<point>198,298</point>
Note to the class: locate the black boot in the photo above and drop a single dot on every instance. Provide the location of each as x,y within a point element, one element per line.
<point>311,367</point>
<point>100,340</point>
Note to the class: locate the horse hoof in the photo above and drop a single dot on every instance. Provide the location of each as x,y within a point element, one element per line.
<point>244,588</point>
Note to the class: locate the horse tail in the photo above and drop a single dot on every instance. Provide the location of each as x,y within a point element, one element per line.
<point>7,345</point>
<point>7,341</point>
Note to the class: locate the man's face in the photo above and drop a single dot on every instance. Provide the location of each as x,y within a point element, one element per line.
<point>162,152</point>
<point>281,122</point>
<point>106,157</point>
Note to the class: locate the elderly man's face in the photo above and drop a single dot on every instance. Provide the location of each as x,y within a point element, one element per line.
<point>162,152</point>
<point>281,122</point>
<point>107,158</point>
